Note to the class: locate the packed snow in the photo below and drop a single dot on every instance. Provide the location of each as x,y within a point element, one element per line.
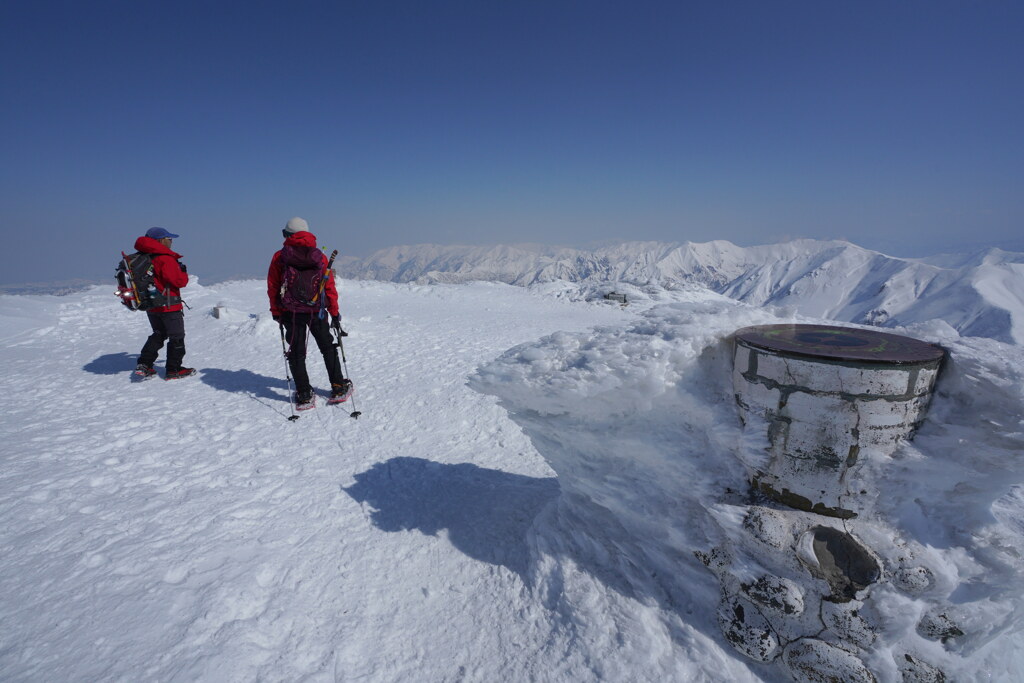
<point>521,499</point>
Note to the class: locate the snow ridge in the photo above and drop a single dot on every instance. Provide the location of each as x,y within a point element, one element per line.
<point>979,294</point>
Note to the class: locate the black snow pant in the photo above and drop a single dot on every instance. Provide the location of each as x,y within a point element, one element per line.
<point>296,326</point>
<point>168,327</point>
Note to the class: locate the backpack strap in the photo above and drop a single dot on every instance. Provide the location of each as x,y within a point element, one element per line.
<point>161,299</point>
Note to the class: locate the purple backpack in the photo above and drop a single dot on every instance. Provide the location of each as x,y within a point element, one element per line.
<point>304,269</point>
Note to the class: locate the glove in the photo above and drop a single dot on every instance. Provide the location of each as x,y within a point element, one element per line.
<point>184,268</point>
<point>276,317</point>
<point>336,324</point>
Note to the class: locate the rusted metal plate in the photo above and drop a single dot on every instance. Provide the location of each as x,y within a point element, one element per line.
<point>840,343</point>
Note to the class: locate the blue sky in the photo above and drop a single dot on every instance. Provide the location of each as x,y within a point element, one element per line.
<point>895,125</point>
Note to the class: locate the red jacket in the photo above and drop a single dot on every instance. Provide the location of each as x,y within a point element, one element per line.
<point>276,275</point>
<point>168,275</point>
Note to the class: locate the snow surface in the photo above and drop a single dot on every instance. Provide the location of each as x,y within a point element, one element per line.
<point>187,530</point>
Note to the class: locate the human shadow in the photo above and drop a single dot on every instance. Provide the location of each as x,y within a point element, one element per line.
<point>486,513</point>
<point>111,364</point>
<point>245,382</point>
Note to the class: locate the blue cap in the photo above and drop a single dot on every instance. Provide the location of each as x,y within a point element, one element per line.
<point>160,233</point>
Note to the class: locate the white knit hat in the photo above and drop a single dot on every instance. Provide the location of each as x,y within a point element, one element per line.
<point>296,225</point>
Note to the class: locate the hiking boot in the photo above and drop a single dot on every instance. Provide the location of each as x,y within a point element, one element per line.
<point>143,371</point>
<point>179,373</point>
<point>339,390</point>
<point>303,397</point>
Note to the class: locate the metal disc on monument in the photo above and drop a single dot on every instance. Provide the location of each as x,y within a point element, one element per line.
<point>829,342</point>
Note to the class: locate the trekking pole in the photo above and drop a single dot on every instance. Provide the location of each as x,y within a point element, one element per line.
<point>288,375</point>
<point>341,347</point>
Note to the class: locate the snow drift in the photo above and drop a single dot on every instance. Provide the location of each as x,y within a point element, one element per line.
<point>640,424</point>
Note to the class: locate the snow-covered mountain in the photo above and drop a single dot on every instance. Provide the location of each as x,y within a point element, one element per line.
<point>980,294</point>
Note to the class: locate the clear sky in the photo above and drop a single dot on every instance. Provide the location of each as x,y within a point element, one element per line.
<point>895,125</point>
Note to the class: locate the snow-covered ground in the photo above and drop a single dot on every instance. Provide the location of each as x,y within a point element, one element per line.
<point>180,531</point>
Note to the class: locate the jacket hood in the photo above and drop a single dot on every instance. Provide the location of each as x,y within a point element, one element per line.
<point>148,245</point>
<point>301,239</point>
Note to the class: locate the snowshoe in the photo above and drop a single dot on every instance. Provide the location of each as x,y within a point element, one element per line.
<point>142,373</point>
<point>340,392</point>
<point>304,400</point>
<point>179,373</point>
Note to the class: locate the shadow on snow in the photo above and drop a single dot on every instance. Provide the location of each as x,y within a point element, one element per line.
<point>246,382</point>
<point>112,364</point>
<point>486,513</point>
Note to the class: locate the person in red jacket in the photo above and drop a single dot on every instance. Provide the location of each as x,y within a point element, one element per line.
<point>300,307</point>
<point>167,321</point>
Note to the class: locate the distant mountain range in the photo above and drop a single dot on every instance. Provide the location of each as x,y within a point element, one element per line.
<point>980,294</point>
<point>58,288</point>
